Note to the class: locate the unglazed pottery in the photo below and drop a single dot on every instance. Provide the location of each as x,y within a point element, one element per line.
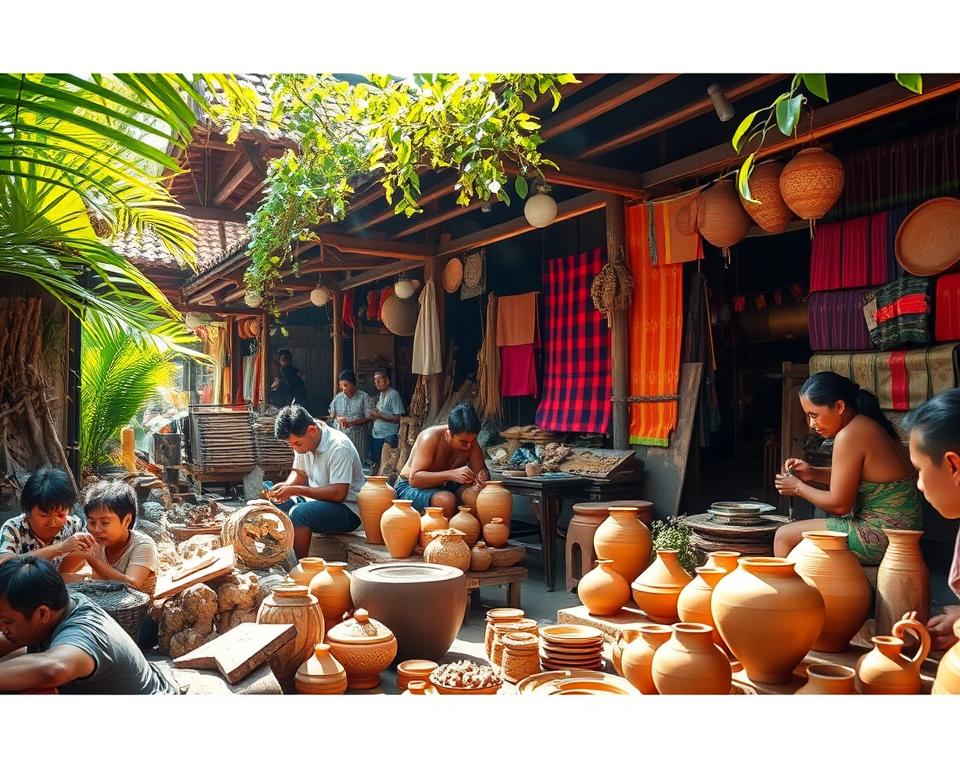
<point>693,605</point>
<point>769,210</point>
<point>637,658</point>
<point>903,580</point>
<point>498,616</point>
<point>291,603</point>
<point>829,679</point>
<point>603,590</point>
<point>375,497</point>
<point>447,547</point>
<point>494,501</point>
<point>480,557</point>
<point>690,663</point>
<point>885,670</point>
<point>465,522</point>
<point>625,541</point>
<point>432,520</point>
<point>469,497</point>
<point>331,587</point>
<point>400,526</point>
<point>496,532</point>
<point>656,590</point>
<point>625,636</point>
<point>364,646</point>
<point>321,673</point>
<point>725,559</point>
<point>306,568</point>
<point>414,669</point>
<point>948,673</point>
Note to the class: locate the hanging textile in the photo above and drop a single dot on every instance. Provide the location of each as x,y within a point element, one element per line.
<point>837,322</point>
<point>347,315</point>
<point>249,368</point>
<point>855,239</point>
<point>226,391</point>
<point>427,353</point>
<point>488,366</point>
<point>518,371</point>
<point>856,252</point>
<point>946,321</point>
<point>385,293</point>
<point>516,319</point>
<point>899,314</point>
<point>576,379</point>
<point>698,347</point>
<point>672,231</point>
<point>826,267</point>
<point>656,331</point>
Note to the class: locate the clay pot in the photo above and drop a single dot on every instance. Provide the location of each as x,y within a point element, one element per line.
<point>637,658</point>
<point>420,688</point>
<point>500,630</point>
<point>498,616</point>
<point>480,557</point>
<point>824,561</point>
<point>364,646</point>
<point>494,501</point>
<point>725,559</point>
<point>432,520</point>
<point>258,550</point>
<point>885,670</point>
<point>400,527</point>
<point>948,673</point>
<point>720,217</point>
<point>321,673</point>
<point>465,522</point>
<point>375,498</point>
<point>603,590</point>
<point>331,587</point>
<point>291,603</point>
<point>307,567</point>
<point>625,636</point>
<point>469,497</point>
<point>690,663</point>
<point>447,547</point>
<point>657,589</point>
<point>770,212</point>
<point>412,670</point>
<point>532,469</point>
<point>903,580</point>
<point>768,617</point>
<point>496,532</point>
<point>625,541</point>
<point>811,182</point>
<point>829,679</point>
<point>693,605</point>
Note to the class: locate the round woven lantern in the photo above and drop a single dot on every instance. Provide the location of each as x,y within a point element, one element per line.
<point>400,315</point>
<point>770,212</point>
<point>811,183</point>
<point>720,217</point>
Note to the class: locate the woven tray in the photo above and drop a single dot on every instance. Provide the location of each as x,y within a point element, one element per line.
<point>125,605</point>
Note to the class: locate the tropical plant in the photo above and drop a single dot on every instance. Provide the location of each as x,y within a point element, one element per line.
<point>673,533</point>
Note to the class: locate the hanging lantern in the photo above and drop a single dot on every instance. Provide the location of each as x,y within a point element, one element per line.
<point>811,183</point>
<point>319,296</point>
<point>770,212</point>
<point>720,217</point>
<point>253,299</point>
<point>404,289</point>
<point>540,209</point>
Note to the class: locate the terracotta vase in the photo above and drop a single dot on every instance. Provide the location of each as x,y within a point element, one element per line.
<point>690,663</point>
<point>693,605</point>
<point>768,617</point>
<point>625,636</point>
<point>824,561</point>
<point>725,559</point>
<point>498,616</point>
<point>432,520</point>
<point>331,587</point>
<point>480,557</point>
<point>469,497</point>
<point>375,497</point>
<point>306,568</point>
<point>321,673</point>
<point>948,673</point>
<point>465,522</point>
<point>625,541</point>
<point>364,647</point>
<point>603,590</point>
<point>291,603</point>
<point>637,658</point>
<point>885,670</point>
<point>496,532</point>
<point>811,182</point>
<point>770,212</point>
<point>447,547</point>
<point>400,526</point>
<point>656,590</point>
<point>720,217</point>
<point>494,501</point>
<point>829,679</point>
<point>903,580</point>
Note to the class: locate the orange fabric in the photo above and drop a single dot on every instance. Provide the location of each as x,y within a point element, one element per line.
<point>516,319</point>
<point>656,331</point>
<point>676,244</point>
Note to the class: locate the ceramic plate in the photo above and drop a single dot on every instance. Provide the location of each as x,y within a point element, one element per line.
<point>605,686</point>
<point>545,683</point>
<point>571,634</point>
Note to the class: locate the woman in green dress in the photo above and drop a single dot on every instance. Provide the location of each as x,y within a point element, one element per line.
<point>870,484</point>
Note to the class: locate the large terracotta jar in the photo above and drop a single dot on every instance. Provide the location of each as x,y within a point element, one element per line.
<point>364,646</point>
<point>824,561</point>
<point>494,501</point>
<point>400,526</point>
<point>693,605</point>
<point>447,547</point>
<point>625,541</point>
<point>375,497</point>
<point>331,587</point>
<point>829,679</point>
<point>725,559</point>
<point>885,669</point>
<point>768,617</point>
<point>321,673</point>
<point>603,590</point>
<point>432,520</point>
<point>465,522</point>
<point>306,568</point>
<point>496,532</point>
<point>480,557</point>
<point>948,673</point>
<point>291,603</point>
<point>903,580</point>
<point>498,616</point>
<point>637,657</point>
<point>690,663</point>
<point>656,590</point>
<point>625,636</point>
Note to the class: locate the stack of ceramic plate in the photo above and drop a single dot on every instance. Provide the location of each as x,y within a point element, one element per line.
<point>569,646</point>
<point>739,512</point>
<point>563,682</point>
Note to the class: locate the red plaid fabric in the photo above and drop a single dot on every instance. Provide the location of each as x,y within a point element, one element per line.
<point>577,387</point>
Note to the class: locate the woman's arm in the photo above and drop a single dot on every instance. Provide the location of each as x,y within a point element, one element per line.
<point>847,470</point>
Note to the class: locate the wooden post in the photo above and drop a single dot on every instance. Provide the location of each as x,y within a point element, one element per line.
<point>337,339</point>
<point>264,359</point>
<point>619,328</point>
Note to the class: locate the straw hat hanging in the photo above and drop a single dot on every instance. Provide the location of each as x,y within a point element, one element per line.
<point>770,211</point>
<point>452,275</point>
<point>400,315</point>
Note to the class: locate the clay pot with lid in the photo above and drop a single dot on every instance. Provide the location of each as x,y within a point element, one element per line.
<point>690,663</point>
<point>431,520</point>
<point>291,603</point>
<point>625,541</point>
<point>375,497</point>
<point>447,547</point>
<point>321,673</point>
<point>496,532</point>
<point>829,679</point>
<point>811,183</point>
<point>494,501</point>
<point>603,590</point>
<point>364,646</point>
<point>626,635</point>
<point>400,527</point>
<point>480,557</point>
<point>726,559</point>
<point>331,587</point>
<point>465,522</point>
<point>885,670</point>
<point>305,569</point>
<point>693,605</point>
<point>657,589</point>
<point>824,561</point>
<point>637,657</point>
<point>903,580</point>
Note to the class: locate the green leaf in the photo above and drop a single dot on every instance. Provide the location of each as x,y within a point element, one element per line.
<point>817,85</point>
<point>743,178</point>
<point>788,112</point>
<point>520,185</point>
<point>743,128</point>
<point>911,82</point>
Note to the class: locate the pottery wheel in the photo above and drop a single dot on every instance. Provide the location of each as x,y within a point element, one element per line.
<point>711,536</point>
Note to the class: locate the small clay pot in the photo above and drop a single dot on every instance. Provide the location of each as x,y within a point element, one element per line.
<point>637,658</point>
<point>496,533</point>
<point>321,673</point>
<point>603,590</point>
<point>466,522</point>
<point>480,557</point>
<point>829,679</point>
<point>331,587</point>
<point>447,547</point>
<point>307,567</point>
<point>412,670</point>
<point>432,520</point>
<point>532,469</point>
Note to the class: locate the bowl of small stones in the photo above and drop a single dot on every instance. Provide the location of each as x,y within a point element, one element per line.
<point>465,676</point>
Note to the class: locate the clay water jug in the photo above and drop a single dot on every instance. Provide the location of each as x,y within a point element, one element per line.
<point>829,679</point>
<point>331,587</point>
<point>625,636</point>
<point>432,520</point>
<point>768,617</point>
<point>624,540</point>
<point>690,663</point>
<point>305,569</point>
<point>291,603</point>
<point>948,673</point>
<point>656,590</point>
<point>494,501</point>
<point>693,605</point>
<point>375,497</point>
<point>465,522</point>
<point>480,557</point>
<point>824,561</point>
<point>447,547</point>
<point>496,532</point>
<point>885,670</point>
<point>903,580</point>
<point>726,559</point>
<point>637,657</point>
<point>603,590</point>
<point>400,526</point>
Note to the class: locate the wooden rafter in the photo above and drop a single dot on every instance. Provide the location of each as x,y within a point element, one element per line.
<point>251,150</point>
<point>215,214</point>
<point>254,191</point>
<point>434,193</point>
<point>234,180</point>
<point>369,247</point>
<point>425,222</point>
<point>574,173</point>
<point>372,275</point>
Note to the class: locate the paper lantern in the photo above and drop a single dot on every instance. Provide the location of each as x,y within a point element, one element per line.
<point>720,217</point>
<point>404,289</point>
<point>540,210</point>
<point>319,296</point>
<point>770,212</point>
<point>252,299</point>
<point>811,183</point>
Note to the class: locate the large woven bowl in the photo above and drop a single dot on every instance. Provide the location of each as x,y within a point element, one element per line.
<point>400,315</point>
<point>125,605</point>
<point>928,241</point>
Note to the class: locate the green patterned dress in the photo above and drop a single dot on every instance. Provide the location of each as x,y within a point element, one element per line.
<point>878,505</point>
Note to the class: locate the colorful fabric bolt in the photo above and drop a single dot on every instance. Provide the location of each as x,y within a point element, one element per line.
<point>518,371</point>
<point>898,314</point>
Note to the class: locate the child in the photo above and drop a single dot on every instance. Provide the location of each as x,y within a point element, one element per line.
<point>46,529</point>
<point>122,554</point>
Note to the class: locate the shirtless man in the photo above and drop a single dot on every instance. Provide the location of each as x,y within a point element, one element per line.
<point>443,462</point>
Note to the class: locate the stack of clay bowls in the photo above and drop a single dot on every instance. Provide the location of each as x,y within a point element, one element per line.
<point>414,669</point>
<point>568,646</point>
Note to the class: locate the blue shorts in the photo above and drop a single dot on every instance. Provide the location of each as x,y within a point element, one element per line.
<point>421,496</point>
<point>319,516</point>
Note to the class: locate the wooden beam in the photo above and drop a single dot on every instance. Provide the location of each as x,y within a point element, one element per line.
<point>565,91</point>
<point>425,222</point>
<point>434,193</point>
<point>370,247</point>
<point>235,179</point>
<point>254,191</point>
<point>628,89</point>
<point>573,173</point>
<point>337,338</point>
<point>690,111</point>
<point>251,151</point>
<point>372,275</point>
<point>229,166</point>
<point>619,328</point>
<point>833,118</point>
<point>215,214</point>
<point>294,302</point>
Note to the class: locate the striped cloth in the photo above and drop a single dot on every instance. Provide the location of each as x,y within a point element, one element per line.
<point>856,252</point>
<point>671,231</point>
<point>898,314</point>
<point>837,322</point>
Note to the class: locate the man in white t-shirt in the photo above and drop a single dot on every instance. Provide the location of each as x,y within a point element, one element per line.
<point>327,476</point>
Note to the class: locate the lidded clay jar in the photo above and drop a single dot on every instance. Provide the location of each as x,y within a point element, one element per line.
<point>447,547</point>
<point>480,557</point>
<point>465,522</point>
<point>431,520</point>
<point>364,646</point>
<point>657,589</point>
<point>603,590</point>
<point>321,673</point>
<point>496,532</point>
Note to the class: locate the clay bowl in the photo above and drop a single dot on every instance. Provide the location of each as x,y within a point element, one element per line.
<point>414,669</point>
<point>570,635</point>
<point>544,683</point>
<point>444,690</point>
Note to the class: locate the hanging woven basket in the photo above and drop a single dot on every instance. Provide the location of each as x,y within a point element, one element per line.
<point>811,183</point>
<point>612,289</point>
<point>770,211</point>
<point>720,217</point>
<point>400,315</point>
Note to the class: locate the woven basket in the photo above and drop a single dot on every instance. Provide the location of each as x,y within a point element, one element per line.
<point>400,315</point>
<point>720,217</point>
<point>125,605</point>
<point>770,212</point>
<point>811,182</point>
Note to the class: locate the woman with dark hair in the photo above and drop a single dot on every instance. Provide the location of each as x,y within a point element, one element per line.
<point>351,411</point>
<point>870,483</point>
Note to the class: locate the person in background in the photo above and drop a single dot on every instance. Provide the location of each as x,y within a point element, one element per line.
<point>934,430</point>
<point>351,411</point>
<point>386,415</point>
<point>287,386</point>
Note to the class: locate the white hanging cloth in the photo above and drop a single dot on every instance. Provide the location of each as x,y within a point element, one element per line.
<point>426,340</point>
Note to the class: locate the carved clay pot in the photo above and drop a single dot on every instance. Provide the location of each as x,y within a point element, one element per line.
<point>496,532</point>
<point>656,590</point>
<point>364,646</point>
<point>824,561</point>
<point>637,658</point>
<point>625,541</point>
<point>375,498</point>
<point>948,673</point>
<point>885,670</point>
<point>331,587</point>
<point>768,616</point>
<point>829,679</point>
<point>498,616</point>
<point>400,527</point>
<point>903,580</point>
<point>447,547</point>
<point>465,522</point>
<point>306,568</point>
<point>811,182</point>
<point>725,559</point>
<point>291,603</point>
<point>480,557</point>
<point>693,605</point>
<point>603,590</point>
<point>770,212</point>
<point>494,501</point>
<point>625,636</point>
<point>321,673</point>
<point>720,217</point>
<point>690,663</point>
<point>432,520</point>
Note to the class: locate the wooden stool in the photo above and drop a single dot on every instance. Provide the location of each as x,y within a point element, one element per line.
<point>587,517</point>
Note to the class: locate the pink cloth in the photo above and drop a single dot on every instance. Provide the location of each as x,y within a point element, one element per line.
<point>518,371</point>
<point>855,271</point>
<point>954,578</point>
<point>879,266</point>
<point>825,262</point>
